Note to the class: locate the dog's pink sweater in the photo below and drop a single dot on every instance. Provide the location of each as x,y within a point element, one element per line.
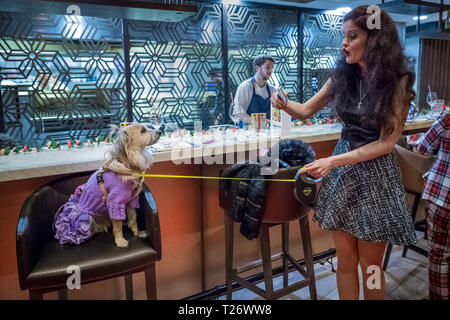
<point>120,195</point>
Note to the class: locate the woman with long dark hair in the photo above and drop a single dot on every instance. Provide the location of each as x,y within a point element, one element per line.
<point>362,198</point>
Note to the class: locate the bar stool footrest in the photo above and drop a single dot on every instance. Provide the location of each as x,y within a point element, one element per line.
<point>257,263</point>
<point>299,268</point>
<point>250,286</point>
<point>418,249</point>
<point>276,293</point>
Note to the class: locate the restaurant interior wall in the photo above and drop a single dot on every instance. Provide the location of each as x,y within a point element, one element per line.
<point>63,77</point>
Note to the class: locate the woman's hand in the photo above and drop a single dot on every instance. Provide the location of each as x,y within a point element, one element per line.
<point>320,168</point>
<point>277,102</point>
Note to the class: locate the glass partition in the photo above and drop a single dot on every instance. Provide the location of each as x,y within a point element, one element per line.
<point>254,31</point>
<point>176,68</point>
<point>64,77</point>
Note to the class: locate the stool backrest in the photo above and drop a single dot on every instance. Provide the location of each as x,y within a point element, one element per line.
<point>412,166</point>
<point>34,227</point>
<point>281,204</point>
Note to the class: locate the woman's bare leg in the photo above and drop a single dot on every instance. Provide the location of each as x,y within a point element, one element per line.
<point>371,257</point>
<point>347,270</point>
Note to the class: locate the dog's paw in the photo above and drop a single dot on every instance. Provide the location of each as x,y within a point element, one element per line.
<point>121,243</point>
<point>141,234</point>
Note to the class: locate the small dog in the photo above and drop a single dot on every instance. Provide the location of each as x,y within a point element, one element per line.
<point>111,194</point>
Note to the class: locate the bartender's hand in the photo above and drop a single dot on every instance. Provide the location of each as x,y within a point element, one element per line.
<point>319,168</point>
<point>277,102</point>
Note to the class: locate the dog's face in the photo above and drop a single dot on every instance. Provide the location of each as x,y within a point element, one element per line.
<point>129,147</point>
<point>139,136</point>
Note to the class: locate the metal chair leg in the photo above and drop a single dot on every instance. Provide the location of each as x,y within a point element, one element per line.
<point>266,260</point>
<point>285,249</point>
<point>307,250</point>
<point>229,254</point>
<point>150,281</point>
<point>387,255</point>
<point>129,286</point>
<point>62,294</point>
<point>413,216</point>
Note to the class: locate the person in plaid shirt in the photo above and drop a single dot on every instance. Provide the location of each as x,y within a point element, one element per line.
<point>437,141</point>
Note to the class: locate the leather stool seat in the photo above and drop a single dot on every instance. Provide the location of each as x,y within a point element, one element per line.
<point>96,257</point>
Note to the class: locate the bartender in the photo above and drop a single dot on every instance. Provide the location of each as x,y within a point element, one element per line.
<point>253,95</point>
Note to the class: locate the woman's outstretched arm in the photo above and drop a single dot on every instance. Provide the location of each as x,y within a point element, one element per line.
<point>305,110</point>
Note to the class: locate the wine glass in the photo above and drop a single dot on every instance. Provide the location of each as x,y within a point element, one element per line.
<point>171,130</point>
<point>437,108</point>
<point>412,113</point>
<point>431,99</point>
<point>233,114</point>
<point>155,121</point>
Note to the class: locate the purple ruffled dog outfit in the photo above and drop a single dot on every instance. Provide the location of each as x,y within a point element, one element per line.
<point>73,223</point>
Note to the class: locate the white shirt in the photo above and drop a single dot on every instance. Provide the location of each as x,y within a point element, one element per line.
<point>244,95</point>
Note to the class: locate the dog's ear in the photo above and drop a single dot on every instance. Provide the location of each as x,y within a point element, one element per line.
<point>113,130</point>
<point>125,135</point>
<point>119,150</point>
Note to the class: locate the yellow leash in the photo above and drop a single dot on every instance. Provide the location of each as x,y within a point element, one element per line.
<point>209,178</point>
<point>212,178</point>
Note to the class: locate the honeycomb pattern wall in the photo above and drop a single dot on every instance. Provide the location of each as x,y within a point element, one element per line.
<point>63,77</point>
<point>254,31</point>
<point>175,68</point>
<point>322,38</point>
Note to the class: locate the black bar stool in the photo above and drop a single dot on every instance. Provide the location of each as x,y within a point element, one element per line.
<point>42,262</point>
<point>280,207</point>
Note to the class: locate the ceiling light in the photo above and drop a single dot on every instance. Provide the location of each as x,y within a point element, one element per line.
<point>421,18</point>
<point>339,11</point>
<point>232,2</point>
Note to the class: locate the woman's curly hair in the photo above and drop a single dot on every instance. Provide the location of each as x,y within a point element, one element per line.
<point>386,64</point>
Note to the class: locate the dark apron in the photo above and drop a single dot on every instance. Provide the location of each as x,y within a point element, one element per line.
<point>258,104</point>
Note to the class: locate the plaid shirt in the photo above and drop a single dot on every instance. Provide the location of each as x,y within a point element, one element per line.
<point>437,140</point>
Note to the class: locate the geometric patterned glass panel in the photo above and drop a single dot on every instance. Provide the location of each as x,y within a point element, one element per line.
<point>322,43</point>
<point>177,68</point>
<point>62,76</point>
<point>253,31</point>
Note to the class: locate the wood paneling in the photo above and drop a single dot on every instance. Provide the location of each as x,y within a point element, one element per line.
<point>434,70</point>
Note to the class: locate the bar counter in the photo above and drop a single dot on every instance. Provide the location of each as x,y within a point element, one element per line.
<point>192,223</point>
<point>54,162</point>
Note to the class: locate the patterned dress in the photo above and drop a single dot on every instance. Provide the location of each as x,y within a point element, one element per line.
<point>365,199</point>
